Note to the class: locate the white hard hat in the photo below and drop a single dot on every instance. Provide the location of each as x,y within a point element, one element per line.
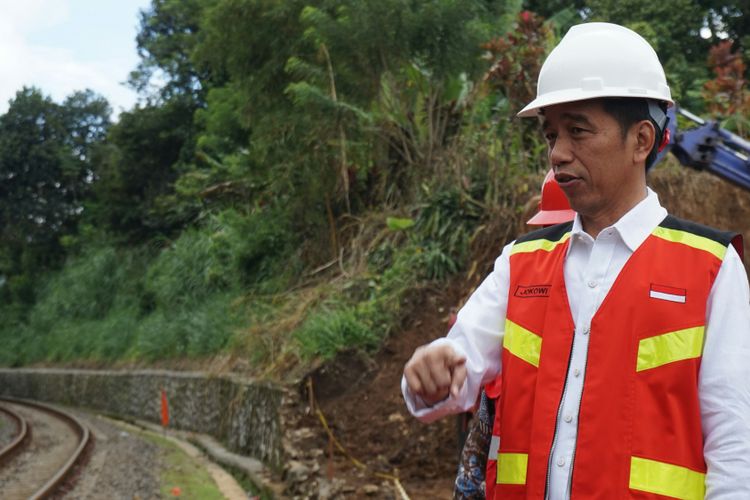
<point>599,60</point>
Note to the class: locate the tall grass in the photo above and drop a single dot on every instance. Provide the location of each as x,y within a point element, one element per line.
<point>110,303</point>
<point>87,310</point>
<point>199,329</point>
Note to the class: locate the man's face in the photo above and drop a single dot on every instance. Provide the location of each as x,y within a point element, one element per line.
<point>593,163</point>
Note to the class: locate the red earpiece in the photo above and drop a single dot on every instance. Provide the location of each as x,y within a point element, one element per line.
<point>664,139</point>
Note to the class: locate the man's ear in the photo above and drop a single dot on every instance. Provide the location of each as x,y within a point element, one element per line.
<point>645,135</point>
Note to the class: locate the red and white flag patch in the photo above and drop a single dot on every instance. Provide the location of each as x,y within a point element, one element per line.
<point>669,293</point>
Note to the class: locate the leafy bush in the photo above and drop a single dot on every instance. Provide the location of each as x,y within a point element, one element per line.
<point>261,245</point>
<point>364,312</point>
<point>228,252</point>
<point>444,226</point>
<point>194,266</point>
<point>88,286</point>
<point>199,330</point>
<point>330,330</point>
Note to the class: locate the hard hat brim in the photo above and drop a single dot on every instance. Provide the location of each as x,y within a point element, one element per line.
<point>573,95</point>
<point>547,217</point>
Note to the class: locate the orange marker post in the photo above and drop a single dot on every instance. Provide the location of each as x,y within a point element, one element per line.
<point>164,409</point>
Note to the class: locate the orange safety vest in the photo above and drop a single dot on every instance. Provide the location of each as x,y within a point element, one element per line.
<point>639,426</point>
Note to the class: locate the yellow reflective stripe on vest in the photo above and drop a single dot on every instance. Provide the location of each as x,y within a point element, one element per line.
<point>666,479</point>
<point>522,343</point>
<point>691,240</point>
<point>534,245</point>
<point>511,468</point>
<point>669,347</point>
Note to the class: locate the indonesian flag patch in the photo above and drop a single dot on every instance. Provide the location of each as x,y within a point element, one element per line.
<point>669,293</point>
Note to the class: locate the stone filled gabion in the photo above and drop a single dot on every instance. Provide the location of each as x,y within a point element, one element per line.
<point>243,414</point>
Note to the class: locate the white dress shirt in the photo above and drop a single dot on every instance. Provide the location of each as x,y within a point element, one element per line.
<point>591,266</point>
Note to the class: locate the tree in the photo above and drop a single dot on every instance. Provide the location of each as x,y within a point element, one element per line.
<point>135,173</point>
<point>45,162</point>
<point>303,79</point>
<point>726,20</point>
<point>86,116</point>
<point>45,167</point>
<point>671,27</point>
<point>726,94</point>
<point>166,39</point>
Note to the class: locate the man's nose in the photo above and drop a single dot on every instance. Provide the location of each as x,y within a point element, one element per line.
<point>560,152</point>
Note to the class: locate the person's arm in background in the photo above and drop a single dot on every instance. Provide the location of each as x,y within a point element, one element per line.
<point>724,383</point>
<point>445,376</point>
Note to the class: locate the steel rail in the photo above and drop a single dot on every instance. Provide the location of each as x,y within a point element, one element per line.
<point>23,432</point>
<point>83,433</point>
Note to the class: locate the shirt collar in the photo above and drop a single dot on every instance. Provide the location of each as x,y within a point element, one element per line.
<point>635,226</point>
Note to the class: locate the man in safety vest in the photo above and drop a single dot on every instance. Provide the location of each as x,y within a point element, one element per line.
<point>623,338</point>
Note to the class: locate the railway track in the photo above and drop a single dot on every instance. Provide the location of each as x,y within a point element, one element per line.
<point>48,444</point>
<point>17,439</point>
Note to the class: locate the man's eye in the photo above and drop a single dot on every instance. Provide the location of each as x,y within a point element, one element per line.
<point>550,137</point>
<point>576,130</point>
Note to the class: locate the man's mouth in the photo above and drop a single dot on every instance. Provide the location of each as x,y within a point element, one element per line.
<point>564,179</point>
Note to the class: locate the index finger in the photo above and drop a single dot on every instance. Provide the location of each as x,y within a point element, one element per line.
<point>458,377</point>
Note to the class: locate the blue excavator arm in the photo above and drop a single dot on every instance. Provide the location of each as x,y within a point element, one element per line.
<point>709,147</point>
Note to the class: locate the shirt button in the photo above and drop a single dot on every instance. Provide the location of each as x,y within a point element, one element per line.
<point>586,330</point>
<point>577,372</point>
<point>560,462</point>
<point>568,418</point>
<point>592,284</point>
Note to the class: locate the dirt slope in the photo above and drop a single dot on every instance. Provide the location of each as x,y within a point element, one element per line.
<point>361,402</point>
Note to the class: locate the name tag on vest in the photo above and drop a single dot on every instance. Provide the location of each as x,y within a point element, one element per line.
<point>668,293</point>
<point>532,291</point>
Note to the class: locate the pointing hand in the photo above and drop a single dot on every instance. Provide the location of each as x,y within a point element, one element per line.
<point>433,372</point>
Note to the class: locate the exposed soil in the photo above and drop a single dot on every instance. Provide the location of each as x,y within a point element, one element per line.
<point>361,402</point>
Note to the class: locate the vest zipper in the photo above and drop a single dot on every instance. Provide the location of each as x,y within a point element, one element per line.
<point>578,417</point>
<point>557,420</point>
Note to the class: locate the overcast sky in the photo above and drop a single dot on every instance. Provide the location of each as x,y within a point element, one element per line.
<point>61,46</point>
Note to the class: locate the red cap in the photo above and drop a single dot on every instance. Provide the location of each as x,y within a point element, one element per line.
<point>554,207</point>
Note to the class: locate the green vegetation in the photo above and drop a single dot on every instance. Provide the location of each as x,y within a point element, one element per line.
<point>182,476</point>
<point>306,170</point>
